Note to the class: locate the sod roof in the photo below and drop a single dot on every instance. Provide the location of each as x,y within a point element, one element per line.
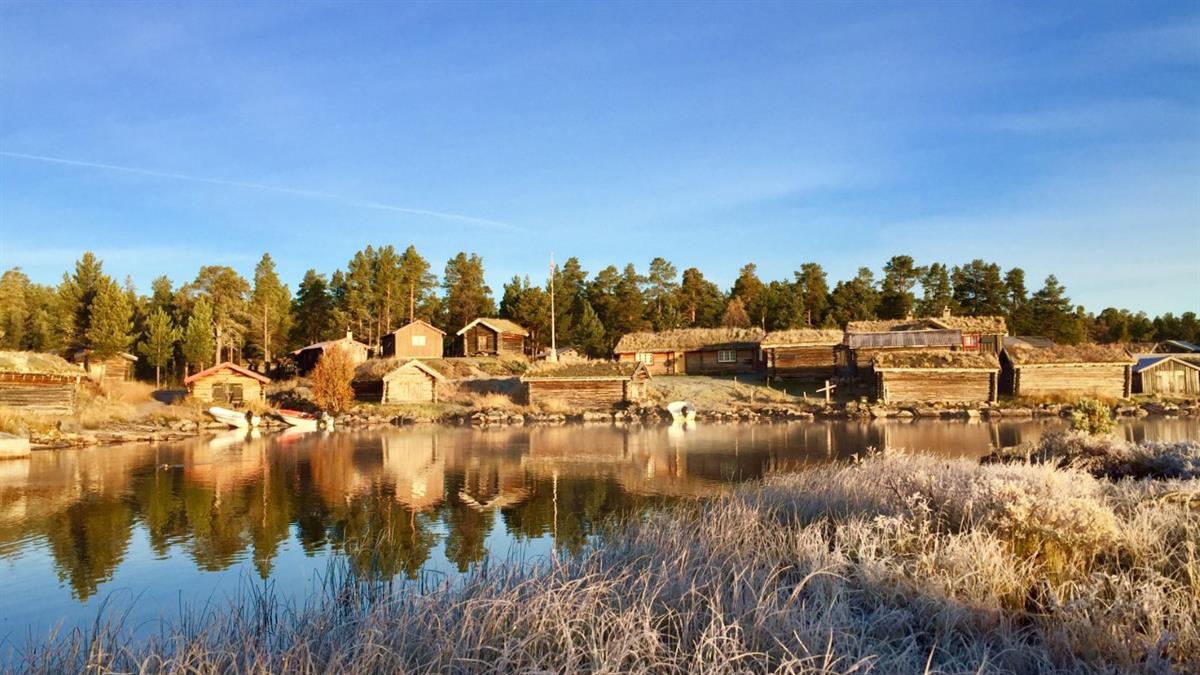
<point>36,363</point>
<point>498,325</point>
<point>800,337</point>
<point>689,339</point>
<point>1087,353</point>
<point>581,370</point>
<point>375,369</point>
<point>986,325</point>
<point>936,361</point>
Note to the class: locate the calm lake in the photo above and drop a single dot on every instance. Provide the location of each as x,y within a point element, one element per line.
<point>151,527</point>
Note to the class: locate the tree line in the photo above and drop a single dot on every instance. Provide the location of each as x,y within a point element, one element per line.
<point>221,315</point>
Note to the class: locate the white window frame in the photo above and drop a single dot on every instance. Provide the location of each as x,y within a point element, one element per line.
<point>726,356</point>
<point>418,340</point>
<point>646,358</point>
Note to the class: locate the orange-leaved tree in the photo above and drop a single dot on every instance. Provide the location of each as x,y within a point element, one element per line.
<point>331,380</point>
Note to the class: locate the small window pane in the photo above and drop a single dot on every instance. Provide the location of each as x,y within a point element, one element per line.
<point>418,340</point>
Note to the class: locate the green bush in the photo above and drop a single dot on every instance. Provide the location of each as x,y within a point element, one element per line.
<point>1092,417</point>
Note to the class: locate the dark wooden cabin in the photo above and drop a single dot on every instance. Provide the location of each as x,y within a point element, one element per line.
<point>589,385</point>
<point>1066,370</point>
<point>416,340</point>
<point>492,337</point>
<point>306,358</point>
<point>1167,375</point>
<point>973,334</point>
<point>116,368</point>
<point>801,354</point>
<point>40,383</point>
<point>227,384</point>
<point>694,351</point>
<point>936,377</point>
<point>397,381</point>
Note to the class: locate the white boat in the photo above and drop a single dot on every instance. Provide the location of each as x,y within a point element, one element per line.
<point>234,418</point>
<point>682,410</point>
<point>306,421</point>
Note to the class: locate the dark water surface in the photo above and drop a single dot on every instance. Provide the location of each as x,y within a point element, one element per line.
<point>151,527</point>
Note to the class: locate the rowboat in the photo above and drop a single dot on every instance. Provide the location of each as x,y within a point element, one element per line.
<point>682,410</point>
<point>234,418</point>
<point>307,421</point>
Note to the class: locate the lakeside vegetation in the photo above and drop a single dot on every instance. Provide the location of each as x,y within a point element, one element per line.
<point>222,315</point>
<point>892,563</point>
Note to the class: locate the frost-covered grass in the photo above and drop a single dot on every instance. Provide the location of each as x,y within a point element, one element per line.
<point>895,564</point>
<point>1109,457</point>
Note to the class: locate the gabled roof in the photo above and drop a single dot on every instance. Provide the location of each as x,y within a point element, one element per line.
<point>689,339</point>
<point>1183,345</point>
<point>801,337</point>
<point>85,353</point>
<point>498,325</point>
<point>1067,354</point>
<point>1153,361</point>
<point>327,343</point>
<point>584,370</point>
<point>989,325</point>
<point>228,365</point>
<point>421,322</point>
<point>886,361</point>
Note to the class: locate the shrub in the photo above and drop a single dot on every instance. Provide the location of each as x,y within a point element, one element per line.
<point>331,380</point>
<point>1092,417</point>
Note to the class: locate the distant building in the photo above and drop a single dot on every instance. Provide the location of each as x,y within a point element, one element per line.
<point>804,353</point>
<point>416,340</point>
<point>936,377</point>
<point>592,385</point>
<point>1066,370</point>
<point>1167,374</point>
<point>397,381</point>
<point>227,384</point>
<point>975,334</point>
<point>694,351</point>
<point>117,368</point>
<point>1176,347</point>
<point>41,383</point>
<point>492,337</point>
<point>307,357</point>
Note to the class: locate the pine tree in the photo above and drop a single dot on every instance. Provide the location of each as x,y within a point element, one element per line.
<point>700,300</point>
<point>1054,315</point>
<point>270,308</point>
<point>979,289</point>
<point>854,300</point>
<point>662,287</point>
<point>158,345</point>
<point>629,304</point>
<point>198,335</point>
<point>735,315</point>
<point>468,296</point>
<point>1016,303</point>
<point>110,321</point>
<point>813,290</point>
<point>416,281</point>
<point>227,294</point>
<point>937,294</point>
<point>570,294</point>
<point>528,306</point>
<point>312,311</point>
<point>588,333</point>
<point>783,307</point>
<point>896,299</point>
<point>76,294</point>
<point>14,308</point>
<point>750,289</point>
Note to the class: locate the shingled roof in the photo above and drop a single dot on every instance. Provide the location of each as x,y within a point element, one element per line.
<point>1063,354</point>
<point>689,339</point>
<point>800,337</point>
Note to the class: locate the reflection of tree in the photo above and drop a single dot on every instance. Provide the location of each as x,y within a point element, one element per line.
<point>382,538</point>
<point>467,528</point>
<point>88,540</point>
<point>270,514</point>
<point>582,505</point>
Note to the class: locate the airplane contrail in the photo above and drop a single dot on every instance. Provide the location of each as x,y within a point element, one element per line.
<point>315,194</point>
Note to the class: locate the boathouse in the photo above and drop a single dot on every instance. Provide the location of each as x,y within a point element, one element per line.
<point>397,381</point>
<point>1066,370</point>
<point>306,358</point>
<point>1167,375</point>
<point>936,377</point>
<point>416,340</point>
<point>694,351</point>
<point>592,385</point>
<point>109,370</point>
<point>227,384</point>
<point>492,337</point>
<point>805,353</point>
<point>41,383</point>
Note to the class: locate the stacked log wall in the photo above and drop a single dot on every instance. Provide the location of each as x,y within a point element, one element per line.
<point>1083,379</point>
<point>810,362</point>
<point>203,389</point>
<point>35,393</point>
<point>584,394</point>
<point>705,362</point>
<point>934,386</point>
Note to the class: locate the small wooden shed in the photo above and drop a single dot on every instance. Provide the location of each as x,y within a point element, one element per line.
<point>1066,370</point>
<point>116,368</point>
<point>589,385</point>
<point>1167,374</point>
<point>694,351</point>
<point>227,384</point>
<point>933,377</point>
<point>41,383</point>
<point>397,381</point>
<point>806,353</point>
<point>492,337</point>
<point>416,340</point>
<point>306,358</point>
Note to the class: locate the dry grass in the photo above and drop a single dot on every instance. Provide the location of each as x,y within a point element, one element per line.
<point>23,422</point>
<point>687,339</point>
<point>1084,353</point>
<point>493,401</point>
<point>935,360</point>
<point>555,406</point>
<point>1108,457</point>
<point>897,564</point>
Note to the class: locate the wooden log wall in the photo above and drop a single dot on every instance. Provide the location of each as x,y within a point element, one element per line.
<point>664,363</point>
<point>1084,379</point>
<point>705,363</point>
<point>812,362</point>
<point>40,395</point>
<point>203,389</point>
<point>933,386</point>
<point>408,386</point>
<point>585,394</point>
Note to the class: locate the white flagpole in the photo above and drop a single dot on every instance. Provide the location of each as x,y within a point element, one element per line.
<point>553,356</point>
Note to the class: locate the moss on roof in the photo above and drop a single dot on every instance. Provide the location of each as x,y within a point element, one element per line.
<point>582,369</point>
<point>937,360</point>
<point>36,363</point>
<point>687,339</point>
<point>375,369</point>
<point>988,325</point>
<point>1087,353</point>
<point>802,336</point>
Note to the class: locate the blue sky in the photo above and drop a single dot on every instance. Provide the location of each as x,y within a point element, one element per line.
<point>1061,139</point>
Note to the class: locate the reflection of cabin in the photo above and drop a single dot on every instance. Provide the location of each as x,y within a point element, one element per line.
<point>1167,374</point>
<point>228,384</point>
<point>694,351</point>
<point>117,368</point>
<point>487,337</point>
<point>804,353</point>
<point>591,385</point>
<point>1069,370</point>
<point>412,463</point>
<point>928,377</point>
<point>306,358</point>
<point>42,383</point>
<point>397,381</point>
<point>865,339</point>
<point>416,340</point>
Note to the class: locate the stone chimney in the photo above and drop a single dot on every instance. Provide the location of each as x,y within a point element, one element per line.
<point>946,312</point>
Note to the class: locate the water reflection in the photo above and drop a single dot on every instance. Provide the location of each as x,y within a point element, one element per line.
<point>414,496</point>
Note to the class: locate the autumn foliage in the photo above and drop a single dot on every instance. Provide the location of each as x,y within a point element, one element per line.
<point>331,380</point>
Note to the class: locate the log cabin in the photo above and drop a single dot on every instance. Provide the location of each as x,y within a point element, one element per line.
<point>40,383</point>
<point>227,384</point>
<point>416,340</point>
<point>694,351</point>
<point>1167,375</point>
<point>590,385</point>
<point>976,334</point>
<point>492,337</point>
<point>936,377</point>
<point>802,354</point>
<point>306,358</point>
<point>1066,370</point>
<point>106,371</point>
<point>397,381</point>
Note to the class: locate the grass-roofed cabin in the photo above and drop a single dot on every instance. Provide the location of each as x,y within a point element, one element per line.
<point>306,358</point>
<point>801,354</point>
<point>492,337</point>
<point>694,351</point>
<point>1066,370</point>
<point>397,381</point>
<point>109,370</point>
<point>42,383</point>
<point>590,385</point>
<point>975,334</point>
<point>227,384</point>
<point>936,377</point>
<point>1167,375</point>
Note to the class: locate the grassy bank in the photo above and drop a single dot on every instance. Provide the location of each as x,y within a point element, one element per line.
<point>894,564</point>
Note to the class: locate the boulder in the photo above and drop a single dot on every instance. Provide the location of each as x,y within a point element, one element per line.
<point>13,447</point>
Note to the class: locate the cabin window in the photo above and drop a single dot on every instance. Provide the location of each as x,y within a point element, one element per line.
<point>646,358</point>
<point>726,356</point>
<point>970,343</point>
<point>227,393</point>
<point>481,343</point>
<point>418,340</point>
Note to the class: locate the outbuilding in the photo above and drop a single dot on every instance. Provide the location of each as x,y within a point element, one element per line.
<point>306,358</point>
<point>591,385</point>
<point>492,337</point>
<point>108,370</point>
<point>397,381</point>
<point>933,377</point>
<point>40,383</point>
<point>1167,374</point>
<point>1067,370</point>
<point>416,340</point>
<point>803,354</point>
<point>694,351</point>
<point>227,384</point>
